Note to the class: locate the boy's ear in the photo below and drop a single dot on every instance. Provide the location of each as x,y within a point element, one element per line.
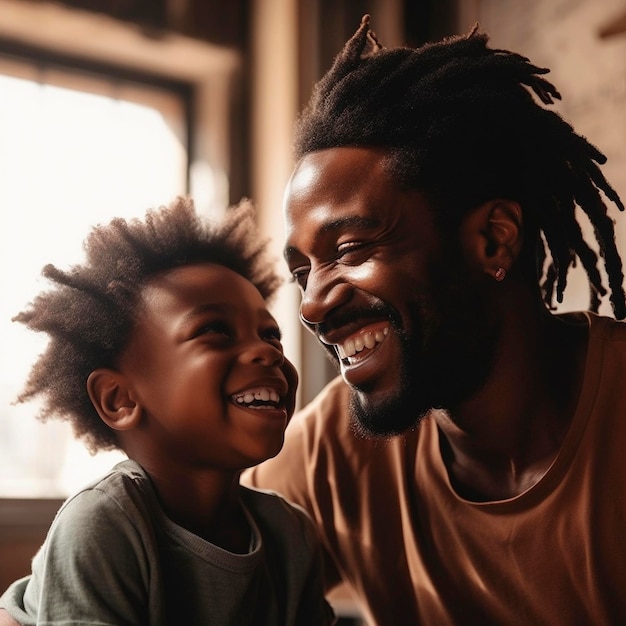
<point>113,399</point>
<point>493,235</point>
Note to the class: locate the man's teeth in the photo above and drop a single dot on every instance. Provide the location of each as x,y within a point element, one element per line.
<point>263,394</point>
<point>355,344</point>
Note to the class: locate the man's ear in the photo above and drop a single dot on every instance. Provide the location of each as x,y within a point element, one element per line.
<point>492,234</point>
<point>113,399</point>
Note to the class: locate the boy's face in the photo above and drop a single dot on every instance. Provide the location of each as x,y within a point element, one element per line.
<point>206,365</point>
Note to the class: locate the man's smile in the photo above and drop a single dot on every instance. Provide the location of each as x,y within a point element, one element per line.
<point>357,349</point>
<point>365,339</point>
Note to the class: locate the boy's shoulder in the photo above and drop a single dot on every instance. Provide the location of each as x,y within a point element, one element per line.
<point>124,490</point>
<point>270,502</point>
<point>117,480</point>
<point>109,521</point>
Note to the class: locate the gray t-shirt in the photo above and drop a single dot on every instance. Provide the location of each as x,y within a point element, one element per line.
<point>112,557</point>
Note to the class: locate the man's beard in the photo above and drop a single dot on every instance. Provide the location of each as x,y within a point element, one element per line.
<point>444,361</point>
<point>394,415</point>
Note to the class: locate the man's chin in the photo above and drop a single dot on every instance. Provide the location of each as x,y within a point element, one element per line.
<point>384,417</point>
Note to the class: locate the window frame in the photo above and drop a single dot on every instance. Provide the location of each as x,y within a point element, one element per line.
<point>45,60</point>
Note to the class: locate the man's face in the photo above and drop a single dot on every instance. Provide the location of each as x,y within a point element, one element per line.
<point>385,293</point>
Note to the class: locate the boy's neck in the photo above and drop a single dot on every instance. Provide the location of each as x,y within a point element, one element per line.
<point>207,504</point>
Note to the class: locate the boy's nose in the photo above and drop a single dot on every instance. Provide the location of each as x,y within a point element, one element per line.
<point>260,351</point>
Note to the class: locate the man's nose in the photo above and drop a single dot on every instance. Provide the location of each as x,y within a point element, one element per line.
<point>323,293</point>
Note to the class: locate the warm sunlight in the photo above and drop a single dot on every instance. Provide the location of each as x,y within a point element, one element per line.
<point>68,160</point>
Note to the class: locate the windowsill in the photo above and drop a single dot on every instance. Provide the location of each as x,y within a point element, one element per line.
<point>26,516</point>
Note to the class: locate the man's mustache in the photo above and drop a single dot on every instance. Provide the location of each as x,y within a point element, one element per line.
<point>348,316</point>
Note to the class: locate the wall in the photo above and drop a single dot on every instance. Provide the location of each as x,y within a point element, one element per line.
<point>21,535</point>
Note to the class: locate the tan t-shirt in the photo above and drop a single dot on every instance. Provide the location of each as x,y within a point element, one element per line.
<point>414,552</point>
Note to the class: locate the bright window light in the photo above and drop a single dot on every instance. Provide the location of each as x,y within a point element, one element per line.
<point>69,159</point>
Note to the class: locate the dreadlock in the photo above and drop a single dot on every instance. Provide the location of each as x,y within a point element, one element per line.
<point>90,310</point>
<point>458,120</point>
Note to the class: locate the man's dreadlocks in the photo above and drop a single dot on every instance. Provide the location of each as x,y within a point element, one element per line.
<point>460,122</point>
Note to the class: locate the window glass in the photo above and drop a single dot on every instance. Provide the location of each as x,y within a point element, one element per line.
<point>75,150</point>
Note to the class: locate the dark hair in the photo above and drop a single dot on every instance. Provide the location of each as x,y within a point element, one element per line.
<point>459,121</point>
<point>90,311</point>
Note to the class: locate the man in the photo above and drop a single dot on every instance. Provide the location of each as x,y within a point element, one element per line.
<point>467,466</point>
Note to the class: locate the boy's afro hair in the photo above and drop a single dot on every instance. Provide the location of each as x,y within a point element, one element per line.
<point>89,311</point>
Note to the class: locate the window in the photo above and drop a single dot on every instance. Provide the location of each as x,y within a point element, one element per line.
<point>76,148</point>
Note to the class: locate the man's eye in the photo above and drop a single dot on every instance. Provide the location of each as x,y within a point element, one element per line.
<point>299,276</point>
<point>345,250</point>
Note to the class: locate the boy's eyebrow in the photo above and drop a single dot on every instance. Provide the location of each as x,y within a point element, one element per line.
<point>208,307</point>
<point>347,221</point>
<point>218,307</point>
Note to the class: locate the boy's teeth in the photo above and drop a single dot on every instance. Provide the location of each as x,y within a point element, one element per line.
<point>263,394</point>
<point>356,344</point>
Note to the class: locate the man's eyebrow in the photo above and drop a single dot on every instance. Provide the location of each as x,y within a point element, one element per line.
<point>357,221</point>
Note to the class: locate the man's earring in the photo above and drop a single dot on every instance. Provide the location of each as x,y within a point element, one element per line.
<point>500,274</point>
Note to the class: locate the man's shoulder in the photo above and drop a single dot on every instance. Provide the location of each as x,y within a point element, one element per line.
<point>607,337</point>
<point>615,329</point>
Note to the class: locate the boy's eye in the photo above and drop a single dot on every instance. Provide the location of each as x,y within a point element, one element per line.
<point>272,335</point>
<point>217,327</point>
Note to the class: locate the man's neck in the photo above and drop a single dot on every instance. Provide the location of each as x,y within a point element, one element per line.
<point>504,439</point>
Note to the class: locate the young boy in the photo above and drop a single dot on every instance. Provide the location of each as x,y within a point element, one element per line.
<point>161,345</point>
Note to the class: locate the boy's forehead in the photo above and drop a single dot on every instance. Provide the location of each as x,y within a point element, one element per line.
<point>202,282</point>
<point>195,272</point>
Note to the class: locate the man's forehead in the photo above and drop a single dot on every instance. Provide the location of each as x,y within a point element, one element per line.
<point>305,174</point>
<point>343,166</point>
